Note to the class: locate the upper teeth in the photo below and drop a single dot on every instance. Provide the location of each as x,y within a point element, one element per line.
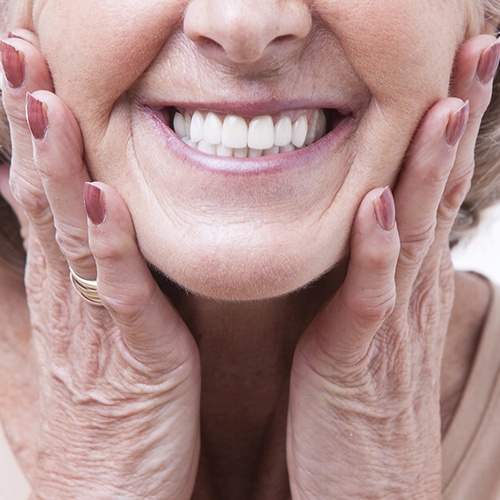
<point>233,136</point>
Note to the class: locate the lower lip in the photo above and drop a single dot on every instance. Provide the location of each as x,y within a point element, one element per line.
<point>251,166</point>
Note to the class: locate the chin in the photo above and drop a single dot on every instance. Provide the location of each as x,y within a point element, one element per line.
<point>230,274</point>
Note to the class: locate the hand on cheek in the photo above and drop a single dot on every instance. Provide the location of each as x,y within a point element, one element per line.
<point>365,382</point>
<point>110,374</point>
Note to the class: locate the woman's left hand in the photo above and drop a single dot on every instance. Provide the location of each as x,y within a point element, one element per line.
<point>364,412</point>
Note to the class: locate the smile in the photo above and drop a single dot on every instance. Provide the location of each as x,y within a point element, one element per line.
<point>237,136</point>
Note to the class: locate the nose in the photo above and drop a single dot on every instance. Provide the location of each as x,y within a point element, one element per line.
<point>244,31</point>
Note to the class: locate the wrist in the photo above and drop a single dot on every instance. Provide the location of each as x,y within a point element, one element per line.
<point>367,457</point>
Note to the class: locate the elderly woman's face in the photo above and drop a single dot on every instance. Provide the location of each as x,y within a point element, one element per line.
<point>257,227</point>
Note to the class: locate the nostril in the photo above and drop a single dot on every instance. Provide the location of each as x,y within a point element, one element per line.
<point>238,31</point>
<point>209,43</point>
<point>284,38</point>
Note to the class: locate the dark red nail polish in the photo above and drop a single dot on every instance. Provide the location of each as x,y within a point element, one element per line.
<point>94,203</point>
<point>385,210</point>
<point>13,64</point>
<point>488,63</point>
<point>36,113</point>
<point>457,124</point>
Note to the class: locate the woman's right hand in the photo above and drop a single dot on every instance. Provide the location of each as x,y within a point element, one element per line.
<point>118,385</point>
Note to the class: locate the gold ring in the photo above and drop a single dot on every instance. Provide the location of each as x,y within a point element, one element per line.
<point>87,289</point>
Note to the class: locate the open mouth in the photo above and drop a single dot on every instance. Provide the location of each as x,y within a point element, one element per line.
<point>231,135</point>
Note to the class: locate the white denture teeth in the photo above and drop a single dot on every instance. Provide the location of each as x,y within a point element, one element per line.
<point>261,132</point>
<point>240,152</point>
<point>234,132</point>
<point>206,147</point>
<point>254,153</point>
<point>212,129</point>
<point>187,123</point>
<point>180,125</point>
<point>312,128</point>
<point>239,137</point>
<point>271,151</point>
<point>223,150</point>
<point>189,142</point>
<point>197,127</point>
<point>287,149</point>
<point>299,131</point>
<point>283,131</point>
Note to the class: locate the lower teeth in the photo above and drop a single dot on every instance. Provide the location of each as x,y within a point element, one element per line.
<point>221,150</point>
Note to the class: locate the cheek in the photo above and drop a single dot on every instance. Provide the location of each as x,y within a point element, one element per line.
<point>97,49</point>
<point>399,48</point>
<point>403,51</point>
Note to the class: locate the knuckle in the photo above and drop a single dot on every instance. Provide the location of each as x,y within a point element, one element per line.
<point>425,306</point>
<point>456,192</point>
<point>447,278</point>
<point>380,310</point>
<point>434,173</point>
<point>109,250</point>
<point>379,259</point>
<point>479,104</point>
<point>35,205</point>
<point>127,302</point>
<point>79,258</point>
<point>438,174</point>
<point>372,306</point>
<point>106,252</point>
<point>53,333</point>
<point>416,246</point>
<point>14,106</point>
<point>73,241</point>
<point>28,194</point>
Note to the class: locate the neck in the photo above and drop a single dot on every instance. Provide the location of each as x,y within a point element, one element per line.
<point>246,351</point>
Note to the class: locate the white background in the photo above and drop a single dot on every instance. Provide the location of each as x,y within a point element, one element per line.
<point>482,252</point>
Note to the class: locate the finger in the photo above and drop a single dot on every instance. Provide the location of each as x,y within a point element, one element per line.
<point>151,328</point>
<point>475,67</point>
<point>24,70</point>
<point>58,154</point>
<point>26,35</point>
<point>367,296</point>
<point>421,184</point>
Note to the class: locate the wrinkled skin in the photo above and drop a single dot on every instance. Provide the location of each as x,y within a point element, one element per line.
<point>159,59</point>
<point>120,386</point>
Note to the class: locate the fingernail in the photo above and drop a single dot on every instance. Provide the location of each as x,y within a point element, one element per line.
<point>13,64</point>
<point>457,124</point>
<point>12,34</point>
<point>385,210</point>
<point>94,203</point>
<point>488,63</point>
<point>36,114</point>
